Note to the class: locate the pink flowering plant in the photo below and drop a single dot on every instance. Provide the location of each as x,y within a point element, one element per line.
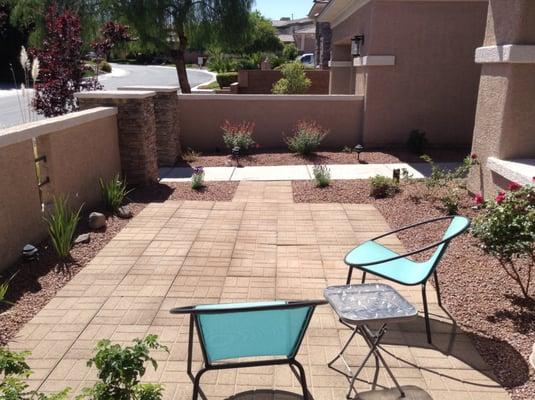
<point>238,134</point>
<point>506,229</point>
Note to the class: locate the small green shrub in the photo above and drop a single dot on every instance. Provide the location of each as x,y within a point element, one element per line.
<point>120,370</point>
<point>450,201</point>
<point>190,155</point>
<point>113,192</point>
<point>225,79</point>
<point>238,134</point>
<point>290,52</point>
<point>13,371</point>
<point>506,228</point>
<point>383,186</point>
<point>105,66</point>
<point>307,137</point>
<point>62,223</point>
<point>197,179</point>
<point>441,177</point>
<point>322,176</point>
<point>417,141</point>
<point>220,62</point>
<point>294,80</point>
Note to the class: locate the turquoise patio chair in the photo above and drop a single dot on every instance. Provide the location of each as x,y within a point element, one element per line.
<point>248,335</point>
<point>379,260</point>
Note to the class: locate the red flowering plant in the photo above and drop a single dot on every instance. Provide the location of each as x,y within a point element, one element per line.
<point>507,231</point>
<point>61,67</point>
<point>307,137</point>
<point>238,134</point>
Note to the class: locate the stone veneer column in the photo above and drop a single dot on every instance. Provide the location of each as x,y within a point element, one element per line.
<point>505,118</point>
<point>323,44</point>
<point>167,126</point>
<point>137,130</point>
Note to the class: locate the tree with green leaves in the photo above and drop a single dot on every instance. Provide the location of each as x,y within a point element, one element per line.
<point>166,25</point>
<point>262,36</point>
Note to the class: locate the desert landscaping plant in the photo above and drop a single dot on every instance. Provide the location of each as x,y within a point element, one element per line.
<point>383,186</point>
<point>238,134</point>
<point>442,177</point>
<point>197,179</point>
<point>506,229</point>
<point>450,201</point>
<point>225,79</point>
<point>322,175</point>
<point>120,370</point>
<point>294,80</point>
<point>113,192</point>
<point>306,138</point>
<point>13,372</point>
<point>417,141</point>
<point>62,223</point>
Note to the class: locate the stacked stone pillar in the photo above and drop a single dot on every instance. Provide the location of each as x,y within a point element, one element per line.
<point>167,124</point>
<point>136,127</point>
<point>505,118</point>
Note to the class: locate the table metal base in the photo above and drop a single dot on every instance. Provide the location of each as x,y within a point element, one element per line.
<point>372,339</point>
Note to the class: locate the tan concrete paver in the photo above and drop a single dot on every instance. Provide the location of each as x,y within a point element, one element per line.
<point>260,246</point>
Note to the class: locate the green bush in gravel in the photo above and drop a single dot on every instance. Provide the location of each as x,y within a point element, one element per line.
<point>306,138</point>
<point>383,186</point>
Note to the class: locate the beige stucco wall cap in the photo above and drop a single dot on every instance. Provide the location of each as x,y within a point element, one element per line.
<point>520,171</point>
<point>160,89</point>
<point>271,97</point>
<point>368,61</point>
<point>19,133</point>
<point>509,54</point>
<point>340,64</point>
<point>115,94</point>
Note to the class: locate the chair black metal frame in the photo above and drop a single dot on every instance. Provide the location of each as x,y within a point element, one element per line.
<point>208,366</point>
<point>432,271</point>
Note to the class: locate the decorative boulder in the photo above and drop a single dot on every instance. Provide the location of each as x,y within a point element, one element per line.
<point>97,220</point>
<point>124,212</point>
<point>83,238</point>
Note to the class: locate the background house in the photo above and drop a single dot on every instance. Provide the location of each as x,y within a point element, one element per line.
<point>301,32</point>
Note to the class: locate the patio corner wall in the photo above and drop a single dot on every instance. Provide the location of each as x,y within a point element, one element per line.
<point>79,148</point>
<point>201,117</point>
<point>136,127</point>
<point>505,119</point>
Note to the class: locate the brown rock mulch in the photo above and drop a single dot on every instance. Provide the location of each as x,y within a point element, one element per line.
<point>283,157</point>
<point>482,299</point>
<point>33,286</point>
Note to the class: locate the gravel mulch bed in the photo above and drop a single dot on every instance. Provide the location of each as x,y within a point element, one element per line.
<point>32,288</point>
<point>483,300</point>
<point>323,157</point>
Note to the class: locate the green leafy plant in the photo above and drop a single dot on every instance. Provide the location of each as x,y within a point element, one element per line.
<point>113,192</point>
<point>120,370</point>
<point>104,66</point>
<point>4,287</point>
<point>290,52</point>
<point>383,186</point>
<point>197,178</point>
<point>307,137</point>
<point>62,223</point>
<point>220,62</point>
<point>322,175</point>
<point>225,79</point>
<point>506,229</point>
<point>238,134</point>
<point>190,155</point>
<point>443,177</point>
<point>450,201</point>
<point>14,370</point>
<point>294,80</point>
<point>417,141</point>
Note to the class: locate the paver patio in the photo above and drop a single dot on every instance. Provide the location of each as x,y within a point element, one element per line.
<point>260,246</point>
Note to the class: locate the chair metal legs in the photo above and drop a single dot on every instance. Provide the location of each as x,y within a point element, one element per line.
<point>302,378</point>
<point>426,314</point>
<point>435,274</point>
<point>350,275</point>
<point>363,277</point>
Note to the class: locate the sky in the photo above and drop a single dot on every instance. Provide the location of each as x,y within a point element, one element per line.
<point>275,9</point>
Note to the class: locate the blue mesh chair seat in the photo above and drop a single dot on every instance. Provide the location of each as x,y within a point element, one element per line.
<point>372,257</point>
<point>269,332</point>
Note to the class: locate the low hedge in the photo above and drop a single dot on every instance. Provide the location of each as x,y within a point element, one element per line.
<point>225,79</point>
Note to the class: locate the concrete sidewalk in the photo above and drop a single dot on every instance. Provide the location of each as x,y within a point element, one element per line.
<point>296,172</point>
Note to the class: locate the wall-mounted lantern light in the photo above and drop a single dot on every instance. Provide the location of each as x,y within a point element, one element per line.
<point>356,45</point>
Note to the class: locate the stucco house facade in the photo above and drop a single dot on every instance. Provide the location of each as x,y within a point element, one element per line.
<point>415,68</point>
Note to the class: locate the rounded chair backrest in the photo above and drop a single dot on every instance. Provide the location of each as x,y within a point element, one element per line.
<point>457,226</point>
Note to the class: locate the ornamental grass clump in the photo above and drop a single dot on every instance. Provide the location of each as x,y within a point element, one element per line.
<point>120,370</point>
<point>506,229</point>
<point>383,186</point>
<point>306,138</point>
<point>113,192</point>
<point>322,176</point>
<point>197,179</point>
<point>238,134</point>
<point>62,223</point>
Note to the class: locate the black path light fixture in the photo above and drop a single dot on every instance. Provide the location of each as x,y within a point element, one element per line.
<point>359,149</point>
<point>356,45</point>
<point>236,155</point>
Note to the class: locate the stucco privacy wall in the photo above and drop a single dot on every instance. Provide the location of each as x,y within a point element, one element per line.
<point>79,148</point>
<point>201,117</point>
<point>256,81</point>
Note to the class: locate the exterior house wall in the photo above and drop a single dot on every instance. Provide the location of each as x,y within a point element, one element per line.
<point>79,148</point>
<point>433,82</point>
<point>201,117</point>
